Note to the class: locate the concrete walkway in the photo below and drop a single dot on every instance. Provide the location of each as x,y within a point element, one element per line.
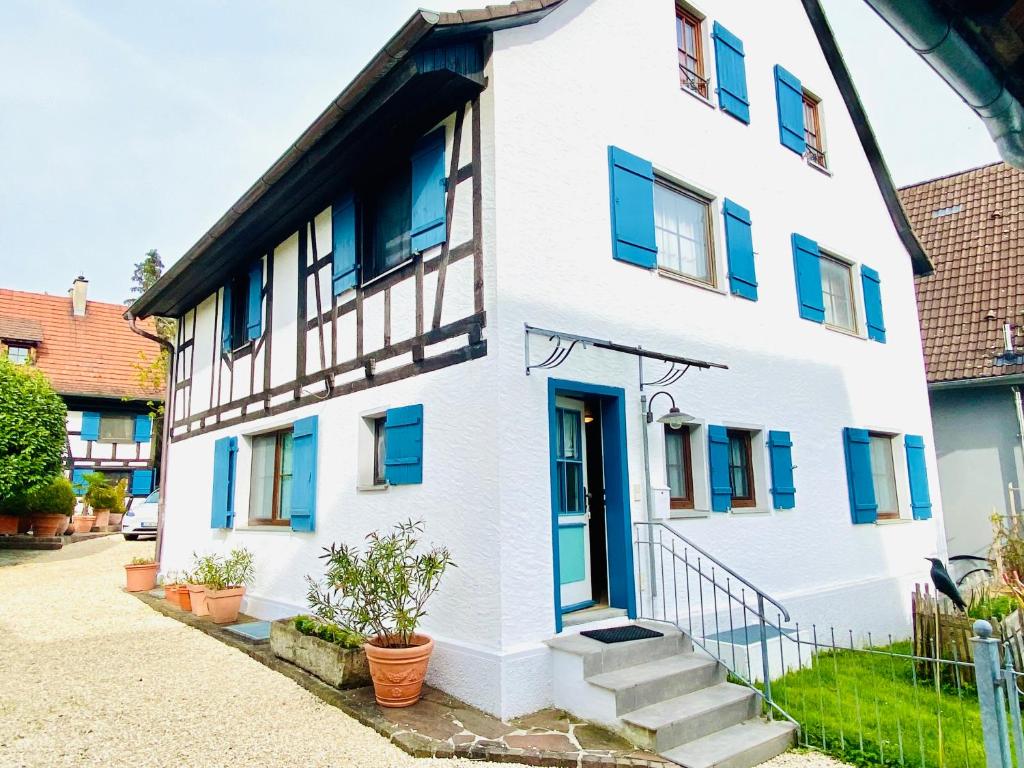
<point>93,677</point>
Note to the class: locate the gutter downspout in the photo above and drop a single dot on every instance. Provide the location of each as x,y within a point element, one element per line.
<point>165,432</point>
<point>1020,426</point>
<point>945,50</point>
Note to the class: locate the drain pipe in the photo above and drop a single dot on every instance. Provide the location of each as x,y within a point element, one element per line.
<point>945,50</point>
<point>165,432</point>
<point>649,493</point>
<point>1020,425</point>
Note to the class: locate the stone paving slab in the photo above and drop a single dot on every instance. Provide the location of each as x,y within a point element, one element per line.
<point>442,726</point>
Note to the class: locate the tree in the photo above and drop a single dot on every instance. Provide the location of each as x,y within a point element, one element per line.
<point>33,429</point>
<point>146,273</point>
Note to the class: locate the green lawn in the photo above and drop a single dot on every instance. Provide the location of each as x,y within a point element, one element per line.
<point>866,709</point>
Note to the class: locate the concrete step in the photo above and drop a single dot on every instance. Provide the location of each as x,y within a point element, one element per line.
<point>744,745</point>
<point>667,724</point>
<point>601,657</point>
<point>655,681</point>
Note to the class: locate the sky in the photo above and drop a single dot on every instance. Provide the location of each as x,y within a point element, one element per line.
<point>130,125</point>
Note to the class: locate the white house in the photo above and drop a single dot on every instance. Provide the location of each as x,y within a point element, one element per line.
<point>362,334</point>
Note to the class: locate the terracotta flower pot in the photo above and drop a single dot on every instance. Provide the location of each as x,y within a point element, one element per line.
<point>24,524</point>
<point>115,518</point>
<point>140,578</point>
<point>197,596</point>
<point>84,523</point>
<point>184,601</point>
<point>9,524</point>
<point>223,605</point>
<point>171,594</point>
<point>48,525</point>
<point>398,673</point>
<point>102,518</point>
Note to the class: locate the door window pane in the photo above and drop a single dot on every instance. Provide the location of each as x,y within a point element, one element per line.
<point>569,460</point>
<point>883,475</point>
<point>681,227</point>
<point>837,292</point>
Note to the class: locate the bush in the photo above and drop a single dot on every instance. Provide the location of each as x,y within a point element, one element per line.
<point>332,633</point>
<point>55,497</point>
<point>382,593</point>
<point>33,429</point>
<point>16,504</point>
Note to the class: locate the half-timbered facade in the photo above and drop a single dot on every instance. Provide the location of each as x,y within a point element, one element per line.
<point>409,314</point>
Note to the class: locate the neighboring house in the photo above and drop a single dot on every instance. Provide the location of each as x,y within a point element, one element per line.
<point>91,356</point>
<point>972,325</point>
<point>686,180</point>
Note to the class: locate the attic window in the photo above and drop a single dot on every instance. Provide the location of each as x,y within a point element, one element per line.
<point>949,211</point>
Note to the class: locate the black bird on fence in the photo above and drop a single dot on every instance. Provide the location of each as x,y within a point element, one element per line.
<point>944,583</point>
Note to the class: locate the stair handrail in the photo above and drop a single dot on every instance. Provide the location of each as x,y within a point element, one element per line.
<point>757,590</point>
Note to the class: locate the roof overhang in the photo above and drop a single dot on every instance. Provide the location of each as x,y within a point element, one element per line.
<point>375,105</point>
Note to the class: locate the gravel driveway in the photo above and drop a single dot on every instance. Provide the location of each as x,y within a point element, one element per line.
<point>91,676</point>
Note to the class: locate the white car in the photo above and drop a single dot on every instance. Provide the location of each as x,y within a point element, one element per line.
<point>140,520</point>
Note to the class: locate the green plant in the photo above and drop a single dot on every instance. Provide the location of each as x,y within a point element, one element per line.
<point>142,561</point>
<point>33,429</point>
<point>236,570</point>
<point>55,497</point>
<point>204,569</point>
<point>332,633</point>
<point>986,603</point>
<point>100,492</point>
<point>16,504</point>
<point>382,593</point>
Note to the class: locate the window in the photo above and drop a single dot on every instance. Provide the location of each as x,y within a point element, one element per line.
<point>379,450</point>
<point>837,293</point>
<point>682,225</point>
<point>883,475</point>
<point>815,148</point>
<point>386,222</point>
<point>569,462</point>
<point>679,467</point>
<point>741,469</point>
<point>239,309</point>
<point>691,52</point>
<point>117,429</point>
<point>270,491</point>
<point>18,355</point>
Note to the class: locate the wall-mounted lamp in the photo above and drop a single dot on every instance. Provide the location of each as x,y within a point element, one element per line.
<point>674,418</point>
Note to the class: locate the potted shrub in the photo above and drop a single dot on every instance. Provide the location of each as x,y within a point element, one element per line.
<point>50,505</point>
<point>140,574</point>
<point>117,511</point>
<point>14,515</point>
<point>202,573</point>
<point>226,585</point>
<point>332,653</point>
<point>382,595</point>
<point>101,498</point>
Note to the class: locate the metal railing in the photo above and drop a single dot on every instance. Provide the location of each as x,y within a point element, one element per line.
<point>690,79</point>
<point>714,597</point>
<point>816,156</point>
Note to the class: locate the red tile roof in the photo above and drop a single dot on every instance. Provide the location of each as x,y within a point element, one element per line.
<point>972,226</point>
<point>91,355</point>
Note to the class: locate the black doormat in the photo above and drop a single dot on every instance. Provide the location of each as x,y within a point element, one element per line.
<point>621,634</point>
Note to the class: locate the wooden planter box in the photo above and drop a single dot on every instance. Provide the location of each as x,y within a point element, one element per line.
<point>337,666</point>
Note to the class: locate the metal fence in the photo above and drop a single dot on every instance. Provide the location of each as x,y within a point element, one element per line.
<point>869,700</point>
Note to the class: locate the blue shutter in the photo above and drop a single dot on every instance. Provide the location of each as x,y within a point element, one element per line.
<point>731,72</point>
<point>920,495</point>
<point>872,287</point>
<point>304,459</point>
<point>254,322</point>
<point>632,192</point>
<point>739,244</point>
<point>780,451</point>
<point>78,482</point>
<point>718,461</point>
<point>403,445</point>
<point>90,426</point>
<point>860,484</point>
<point>223,508</point>
<point>789,98</point>
<point>807,266</point>
<point>143,427</point>
<point>142,482</point>
<point>345,261</point>
<point>225,322</point>
<point>428,191</point>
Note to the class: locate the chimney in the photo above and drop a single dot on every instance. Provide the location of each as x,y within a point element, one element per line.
<point>78,290</point>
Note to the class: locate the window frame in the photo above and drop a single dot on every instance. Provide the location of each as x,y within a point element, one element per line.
<point>379,476</point>
<point>275,518</point>
<point>368,193</point>
<point>681,502</point>
<point>240,342</point>
<point>855,312</point>
<point>26,360</point>
<point>700,84</point>
<point>710,232</point>
<point>107,417</point>
<point>890,440</point>
<point>743,502</point>
<point>813,150</point>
